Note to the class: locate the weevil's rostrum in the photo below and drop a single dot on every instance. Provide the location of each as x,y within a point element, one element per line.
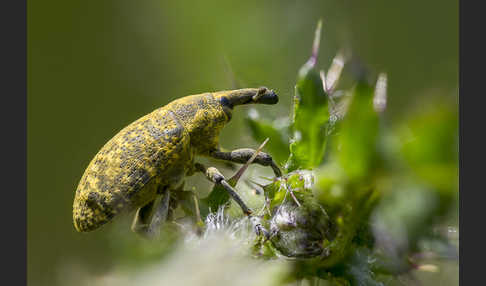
<point>155,152</point>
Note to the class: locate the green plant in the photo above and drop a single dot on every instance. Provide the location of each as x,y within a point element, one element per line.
<point>358,198</point>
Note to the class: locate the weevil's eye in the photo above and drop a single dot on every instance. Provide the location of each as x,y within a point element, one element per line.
<point>225,102</point>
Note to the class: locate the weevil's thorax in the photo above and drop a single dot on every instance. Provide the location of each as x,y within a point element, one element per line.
<point>203,117</point>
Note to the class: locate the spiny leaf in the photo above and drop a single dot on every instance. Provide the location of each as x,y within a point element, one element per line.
<point>261,129</point>
<point>310,117</point>
<point>358,134</point>
<point>334,73</point>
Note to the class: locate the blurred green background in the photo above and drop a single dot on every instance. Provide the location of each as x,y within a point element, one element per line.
<point>94,67</point>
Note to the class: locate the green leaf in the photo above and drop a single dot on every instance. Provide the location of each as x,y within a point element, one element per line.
<point>300,182</point>
<point>358,134</point>
<point>218,197</point>
<point>310,117</point>
<point>261,129</point>
<point>429,145</point>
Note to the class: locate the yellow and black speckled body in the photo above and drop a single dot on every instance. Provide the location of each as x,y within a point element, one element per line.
<point>155,151</point>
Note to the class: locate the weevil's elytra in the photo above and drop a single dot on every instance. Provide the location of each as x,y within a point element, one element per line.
<point>155,153</point>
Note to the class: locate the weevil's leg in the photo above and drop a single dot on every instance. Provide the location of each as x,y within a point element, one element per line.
<point>143,216</point>
<point>216,177</point>
<point>161,213</point>
<point>148,218</point>
<point>243,155</point>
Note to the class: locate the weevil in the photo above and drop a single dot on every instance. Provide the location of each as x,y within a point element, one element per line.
<point>144,164</point>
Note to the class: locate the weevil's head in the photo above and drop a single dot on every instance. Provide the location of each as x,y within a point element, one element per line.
<point>232,98</point>
<point>204,115</point>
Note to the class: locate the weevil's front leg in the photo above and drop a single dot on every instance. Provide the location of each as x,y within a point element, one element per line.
<point>216,177</point>
<point>244,154</point>
<point>148,218</point>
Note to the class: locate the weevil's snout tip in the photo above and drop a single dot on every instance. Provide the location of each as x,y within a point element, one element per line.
<point>266,96</point>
